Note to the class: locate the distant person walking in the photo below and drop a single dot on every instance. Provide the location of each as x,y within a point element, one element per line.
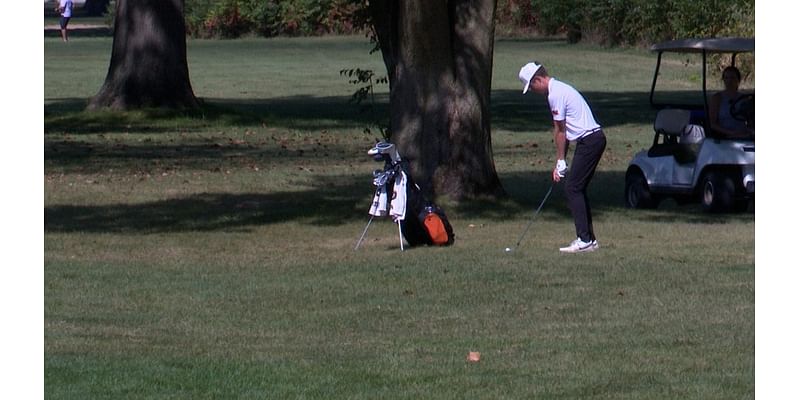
<point>65,9</point>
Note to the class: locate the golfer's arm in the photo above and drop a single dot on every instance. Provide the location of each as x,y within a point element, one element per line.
<point>560,139</point>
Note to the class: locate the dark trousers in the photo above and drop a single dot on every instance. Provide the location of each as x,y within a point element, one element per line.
<point>588,152</point>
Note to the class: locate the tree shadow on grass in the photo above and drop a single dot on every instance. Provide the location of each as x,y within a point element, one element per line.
<point>606,194</point>
<point>307,113</point>
<point>204,154</point>
<point>513,111</point>
<point>338,200</point>
<point>73,32</point>
<point>510,111</point>
<point>329,204</point>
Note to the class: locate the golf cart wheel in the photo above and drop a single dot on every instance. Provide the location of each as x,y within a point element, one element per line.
<point>718,192</point>
<point>637,192</point>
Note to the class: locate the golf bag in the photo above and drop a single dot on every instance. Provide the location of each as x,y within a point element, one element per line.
<point>421,221</point>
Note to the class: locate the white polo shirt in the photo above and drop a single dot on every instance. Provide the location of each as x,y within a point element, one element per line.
<point>567,104</point>
<point>67,6</point>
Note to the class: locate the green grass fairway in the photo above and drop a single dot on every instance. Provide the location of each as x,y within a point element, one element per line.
<point>209,255</point>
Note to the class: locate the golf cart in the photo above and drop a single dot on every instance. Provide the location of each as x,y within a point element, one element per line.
<point>688,161</point>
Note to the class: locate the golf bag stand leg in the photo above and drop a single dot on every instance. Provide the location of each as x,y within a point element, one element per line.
<point>365,232</point>
<point>400,232</point>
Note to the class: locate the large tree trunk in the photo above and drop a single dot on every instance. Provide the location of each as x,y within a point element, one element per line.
<point>438,54</point>
<point>148,60</point>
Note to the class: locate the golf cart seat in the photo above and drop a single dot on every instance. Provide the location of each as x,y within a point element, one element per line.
<point>679,138</point>
<point>672,121</point>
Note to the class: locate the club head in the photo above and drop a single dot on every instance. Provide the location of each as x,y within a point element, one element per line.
<point>383,149</point>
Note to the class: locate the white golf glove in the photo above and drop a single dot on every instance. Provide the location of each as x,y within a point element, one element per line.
<point>561,168</point>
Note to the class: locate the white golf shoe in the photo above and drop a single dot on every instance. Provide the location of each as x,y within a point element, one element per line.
<point>579,246</point>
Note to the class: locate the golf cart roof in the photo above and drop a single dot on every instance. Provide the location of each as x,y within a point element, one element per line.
<point>715,45</point>
<point>703,47</point>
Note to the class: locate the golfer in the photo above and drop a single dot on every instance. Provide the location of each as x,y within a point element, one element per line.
<point>572,122</point>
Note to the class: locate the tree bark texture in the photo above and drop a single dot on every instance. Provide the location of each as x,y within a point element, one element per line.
<point>148,60</point>
<point>438,55</point>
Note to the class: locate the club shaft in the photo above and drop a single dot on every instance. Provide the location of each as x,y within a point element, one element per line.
<point>547,195</point>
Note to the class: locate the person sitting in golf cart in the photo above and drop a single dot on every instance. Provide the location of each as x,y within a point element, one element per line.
<point>725,105</point>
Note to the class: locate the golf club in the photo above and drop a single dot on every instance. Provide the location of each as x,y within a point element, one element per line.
<point>509,249</point>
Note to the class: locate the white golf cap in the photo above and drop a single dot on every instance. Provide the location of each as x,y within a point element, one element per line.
<point>526,74</point>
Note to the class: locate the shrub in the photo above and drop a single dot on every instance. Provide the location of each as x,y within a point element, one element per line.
<point>343,16</point>
<point>515,17</point>
<point>226,21</point>
<point>607,22</point>
<point>233,18</point>
<point>636,22</point>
